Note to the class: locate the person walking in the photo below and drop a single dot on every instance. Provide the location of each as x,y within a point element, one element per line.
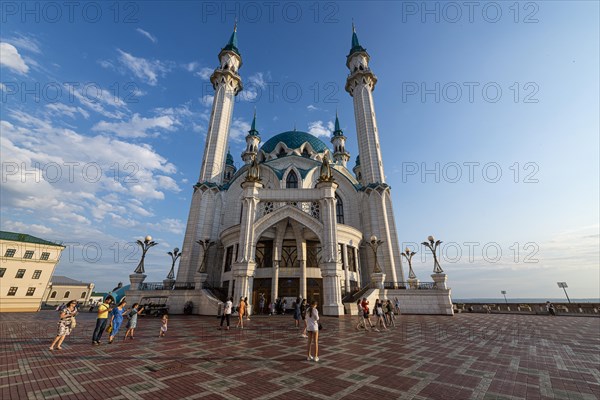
<point>380,315</point>
<point>116,320</point>
<point>297,312</point>
<point>303,308</point>
<point>65,325</point>
<point>101,319</point>
<point>164,322</point>
<point>550,309</point>
<point>312,322</point>
<point>361,317</point>
<point>132,323</point>
<point>365,306</point>
<point>248,309</point>
<point>389,311</point>
<point>241,312</point>
<point>261,304</point>
<point>283,306</point>
<point>226,316</point>
<point>397,305</point>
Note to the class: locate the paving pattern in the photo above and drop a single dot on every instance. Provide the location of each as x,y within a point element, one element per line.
<point>468,356</point>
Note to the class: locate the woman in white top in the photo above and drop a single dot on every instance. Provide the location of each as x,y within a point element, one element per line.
<point>227,312</point>
<point>312,328</point>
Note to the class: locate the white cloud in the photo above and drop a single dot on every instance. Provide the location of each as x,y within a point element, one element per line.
<point>238,130</point>
<point>191,67</point>
<point>10,57</point>
<point>172,225</point>
<point>98,99</point>
<point>312,108</point>
<point>18,226</point>
<point>70,111</point>
<point>258,80</point>
<point>317,128</point>
<point>25,43</point>
<point>204,73</point>
<point>147,70</point>
<point>147,35</point>
<point>207,100</point>
<point>137,126</point>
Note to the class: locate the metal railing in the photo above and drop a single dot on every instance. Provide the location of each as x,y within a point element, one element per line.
<point>161,286</point>
<point>410,285</point>
<point>218,292</point>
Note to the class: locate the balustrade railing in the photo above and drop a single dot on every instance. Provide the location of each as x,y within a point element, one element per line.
<point>410,285</point>
<point>161,286</point>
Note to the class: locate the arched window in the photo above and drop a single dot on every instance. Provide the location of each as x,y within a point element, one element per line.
<point>83,295</point>
<point>53,295</point>
<point>339,210</point>
<point>67,294</point>
<point>292,181</point>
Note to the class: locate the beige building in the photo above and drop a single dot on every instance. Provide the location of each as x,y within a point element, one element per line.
<point>26,266</point>
<point>62,290</point>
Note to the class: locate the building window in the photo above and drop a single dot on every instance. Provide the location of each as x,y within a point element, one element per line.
<point>352,266</point>
<point>228,258</point>
<point>30,291</point>
<point>291,181</point>
<point>2,271</point>
<point>313,254</point>
<point>36,274</point>
<point>20,273</point>
<point>264,254</point>
<point>67,294</point>
<point>289,254</point>
<point>53,295</point>
<point>83,295</point>
<point>45,256</point>
<point>10,252</point>
<point>28,254</point>
<point>339,209</point>
<point>12,291</point>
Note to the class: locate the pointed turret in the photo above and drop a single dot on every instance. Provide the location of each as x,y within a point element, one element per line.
<point>229,168</point>
<point>253,131</point>
<point>356,47</point>
<point>233,43</point>
<point>337,131</point>
<point>340,155</point>
<point>252,142</point>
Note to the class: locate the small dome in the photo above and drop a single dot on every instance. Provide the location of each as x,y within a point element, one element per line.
<point>294,140</point>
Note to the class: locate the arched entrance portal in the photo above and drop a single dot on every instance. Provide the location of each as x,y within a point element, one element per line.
<point>288,264</point>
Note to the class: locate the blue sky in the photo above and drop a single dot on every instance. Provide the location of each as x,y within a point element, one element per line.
<point>118,96</point>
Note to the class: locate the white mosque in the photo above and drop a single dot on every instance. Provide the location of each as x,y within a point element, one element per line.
<point>294,221</point>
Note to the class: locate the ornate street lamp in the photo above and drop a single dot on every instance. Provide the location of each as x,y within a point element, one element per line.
<point>205,244</point>
<point>504,294</point>
<point>375,243</point>
<point>145,245</point>
<point>175,254</point>
<point>432,245</point>
<point>408,255</point>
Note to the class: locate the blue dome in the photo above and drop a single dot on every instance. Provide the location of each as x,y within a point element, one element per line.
<point>293,140</point>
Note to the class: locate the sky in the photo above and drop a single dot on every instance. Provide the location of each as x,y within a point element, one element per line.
<point>487,114</point>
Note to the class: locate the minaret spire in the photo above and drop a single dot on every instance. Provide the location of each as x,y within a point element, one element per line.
<point>340,155</point>
<point>252,142</point>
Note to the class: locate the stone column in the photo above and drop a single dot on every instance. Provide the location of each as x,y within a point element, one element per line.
<point>275,281</point>
<point>346,266</point>
<point>136,280</point>
<point>332,297</point>
<point>377,279</point>
<point>440,280</point>
<point>303,279</point>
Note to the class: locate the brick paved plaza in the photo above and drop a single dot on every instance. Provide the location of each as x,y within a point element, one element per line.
<point>468,356</point>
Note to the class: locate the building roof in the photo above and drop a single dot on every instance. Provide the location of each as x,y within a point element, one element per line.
<point>229,159</point>
<point>356,47</point>
<point>64,281</point>
<point>233,43</point>
<point>293,140</point>
<point>23,237</point>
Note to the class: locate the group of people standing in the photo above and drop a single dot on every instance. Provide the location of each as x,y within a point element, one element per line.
<point>109,319</point>
<point>384,311</point>
<point>242,309</point>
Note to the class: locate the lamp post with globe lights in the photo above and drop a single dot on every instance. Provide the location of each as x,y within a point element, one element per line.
<point>201,275</point>
<point>412,278</point>
<point>377,276</point>
<point>138,276</point>
<point>170,280</point>
<point>374,244</point>
<point>432,245</point>
<point>145,245</point>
